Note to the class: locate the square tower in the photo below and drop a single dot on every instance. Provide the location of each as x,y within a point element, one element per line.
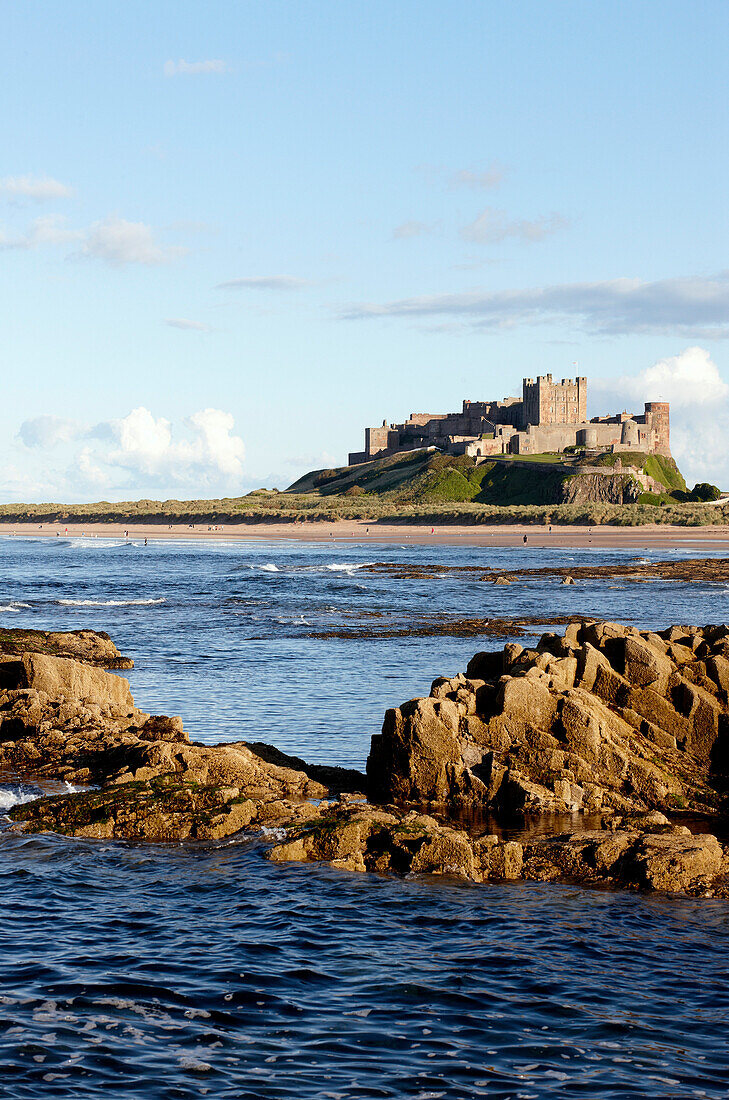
<point>548,402</point>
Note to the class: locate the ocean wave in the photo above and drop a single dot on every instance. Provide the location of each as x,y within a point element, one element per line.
<point>269,568</point>
<point>110,603</point>
<point>15,796</point>
<point>347,566</point>
<point>16,605</point>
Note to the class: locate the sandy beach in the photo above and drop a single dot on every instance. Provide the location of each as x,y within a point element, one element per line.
<point>648,537</point>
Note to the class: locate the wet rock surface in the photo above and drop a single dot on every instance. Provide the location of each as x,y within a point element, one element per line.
<point>439,625</point>
<point>702,570</point>
<point>645,853</point>
<point>164,809</point>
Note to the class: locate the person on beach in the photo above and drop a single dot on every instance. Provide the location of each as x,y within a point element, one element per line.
<point>525,539</point>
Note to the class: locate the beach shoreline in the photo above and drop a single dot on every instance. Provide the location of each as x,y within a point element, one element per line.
<point>361,533</point>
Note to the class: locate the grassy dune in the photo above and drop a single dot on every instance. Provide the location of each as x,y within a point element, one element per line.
<point>421,487</point>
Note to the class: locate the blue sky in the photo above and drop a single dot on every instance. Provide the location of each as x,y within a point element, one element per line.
<point>233,234</point>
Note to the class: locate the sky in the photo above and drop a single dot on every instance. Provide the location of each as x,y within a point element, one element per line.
<point>234,234</point>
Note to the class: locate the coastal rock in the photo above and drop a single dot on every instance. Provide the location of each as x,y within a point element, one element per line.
<point>164,810</point>
<point>62,678</point>
<point>92,647</point>
<point>644,853</point>
<point>65,720</point>
<point>370,839</point>
<point>673,861</point>
<point>602,717</point>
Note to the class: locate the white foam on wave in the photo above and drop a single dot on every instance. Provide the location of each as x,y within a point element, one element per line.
<point>110,603</point>
<point>269,568</point>
<point>93,542</point>
<point>16,605</point>
<point>10,798</point>
<point>347,566</point>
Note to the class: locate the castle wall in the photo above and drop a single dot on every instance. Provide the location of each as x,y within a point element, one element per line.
<point>376,439</point>
<point>509,411</point>
<point>550,417</point>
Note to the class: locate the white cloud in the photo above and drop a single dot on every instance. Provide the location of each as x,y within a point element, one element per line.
<point>687,380</point>
<point>186,325</point>
<point>48,230</point>
<point>88,469</point>
<point>20,484</point>
<point>49,431</point>
<point>147,450</point>
<point>119,242</point>
<point>194,68</point>
<point>695,306</point>
<point>265,282</point>
<point>411,229</point>
<point>137,454</point>
<point>494,226</point>
<point>215,447</point>
<point>699,399</point>
<point>113,240</point>
<point>480,179</point>
<point>38,188</point>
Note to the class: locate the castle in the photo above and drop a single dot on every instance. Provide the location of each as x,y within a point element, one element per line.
<point>549,416</point>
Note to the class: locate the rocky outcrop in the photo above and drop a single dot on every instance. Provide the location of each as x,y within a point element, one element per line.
<point>370,839</point>
<point>603,717</point>
<point>603,488</point>
<point>643,853</point>
<point>66,720</point>
<point>89,646</point>
<point>164,809</point>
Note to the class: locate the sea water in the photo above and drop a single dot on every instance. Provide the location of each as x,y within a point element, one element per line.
<point>150,971</point>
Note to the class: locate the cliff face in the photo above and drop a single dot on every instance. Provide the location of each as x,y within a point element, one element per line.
<point>600,489</point>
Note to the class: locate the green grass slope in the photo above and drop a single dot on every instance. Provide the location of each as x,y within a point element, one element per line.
<point>425,477</point>
<point>420,487</point>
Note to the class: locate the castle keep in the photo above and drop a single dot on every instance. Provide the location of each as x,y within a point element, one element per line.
<point>550,416</point>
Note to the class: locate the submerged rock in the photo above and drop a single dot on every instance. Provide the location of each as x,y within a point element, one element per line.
<point>365,838</point>
<point>603,717</point>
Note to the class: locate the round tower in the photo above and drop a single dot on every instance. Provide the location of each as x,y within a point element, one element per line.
<point>629,433</point>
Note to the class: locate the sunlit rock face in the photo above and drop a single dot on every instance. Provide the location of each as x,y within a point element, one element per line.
<point>602,717</point>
